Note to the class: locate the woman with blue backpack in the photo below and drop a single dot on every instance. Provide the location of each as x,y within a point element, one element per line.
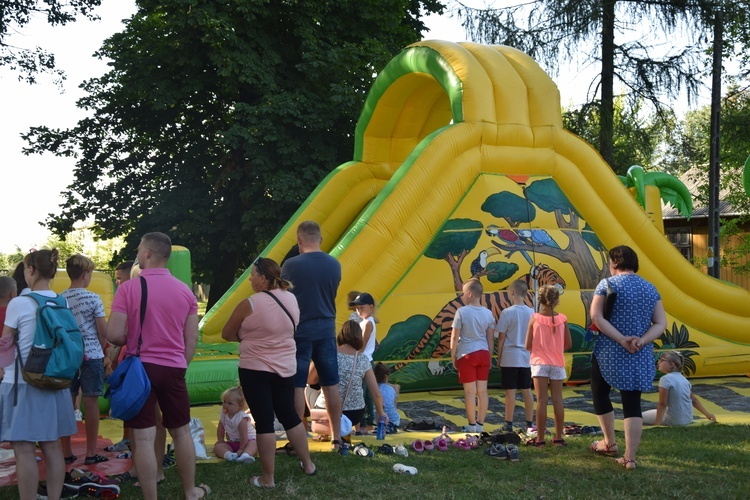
<point>31,414</point>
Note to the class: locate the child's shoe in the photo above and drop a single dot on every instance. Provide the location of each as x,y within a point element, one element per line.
<point>245,459</point>
<point>230,456</point>
<point>512,452</point>
<point>498,451</point>
<point>401,450</point>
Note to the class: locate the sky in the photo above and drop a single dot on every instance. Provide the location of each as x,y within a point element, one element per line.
<point>34,185</point>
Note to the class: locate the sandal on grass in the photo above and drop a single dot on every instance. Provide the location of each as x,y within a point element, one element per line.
<point>536,444</point>
<point>558,442</point>
<point>609,449</point>
<point>627,463</point>
<point>205,489</point>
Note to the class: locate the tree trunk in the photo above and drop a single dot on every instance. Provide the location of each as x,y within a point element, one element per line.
<point>607,90</point>
<point>224,277</point>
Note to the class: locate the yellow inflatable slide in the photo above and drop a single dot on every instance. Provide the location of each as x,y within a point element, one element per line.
<point>462,168</point>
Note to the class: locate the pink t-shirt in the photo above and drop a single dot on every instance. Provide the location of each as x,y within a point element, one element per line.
<point>170,302</point>
<point>267,335</point>
<point>548,345</point>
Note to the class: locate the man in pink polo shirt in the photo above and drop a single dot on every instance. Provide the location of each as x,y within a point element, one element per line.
<point>169,337</point>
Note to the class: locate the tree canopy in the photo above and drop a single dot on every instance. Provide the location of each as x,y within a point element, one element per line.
<point>626,39</point>
<point>17,14</point>
<point>217,119</point>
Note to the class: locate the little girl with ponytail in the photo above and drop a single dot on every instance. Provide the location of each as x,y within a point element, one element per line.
<point>547,338</point>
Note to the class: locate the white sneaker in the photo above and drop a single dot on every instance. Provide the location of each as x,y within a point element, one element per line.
<point>401,450</point>
<point>78,415</point>
<point>245,459</point>
<point>405,469</point>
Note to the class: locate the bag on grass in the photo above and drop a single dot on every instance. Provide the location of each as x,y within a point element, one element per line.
<point>199,438</point>
<point>57,351</point>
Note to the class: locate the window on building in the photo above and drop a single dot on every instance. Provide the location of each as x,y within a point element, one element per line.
<point>682,239</point>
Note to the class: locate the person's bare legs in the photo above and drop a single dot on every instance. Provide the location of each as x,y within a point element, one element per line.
<point>607,423</point>
<point>540,386</point>
<point>91,409</point>
<point>470,403</point>
<point>633,431</point>
<point>483,400</point>
<point>55,464</point>
<point>557,407</point>
<point>145,460</point>
<point>267,451</point>
<point>160,444</point>
<point>184,453</point>
<point>333,408</point>
<point>27,471</point>
<point>528,404</point>
<point>297,435</point>
<point>510,404</point>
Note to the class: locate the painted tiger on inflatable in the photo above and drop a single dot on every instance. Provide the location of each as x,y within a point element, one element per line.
<point>495,302</point>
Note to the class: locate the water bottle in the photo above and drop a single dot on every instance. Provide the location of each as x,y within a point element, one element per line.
<point>381,427</point>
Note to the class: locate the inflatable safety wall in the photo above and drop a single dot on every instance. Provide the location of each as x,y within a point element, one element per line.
<point>462,169</point>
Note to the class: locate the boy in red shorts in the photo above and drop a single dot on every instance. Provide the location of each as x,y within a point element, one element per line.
<point>471,339</point>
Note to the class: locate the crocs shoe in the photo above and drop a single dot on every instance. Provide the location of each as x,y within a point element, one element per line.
<point>417,446</point>
<point>512,452</point>
<point>441,444</point>
<point>428,445</point>
<point>401,450</point>
<point>498,451</point>
<point>405,469</point>
<point>461,443</point>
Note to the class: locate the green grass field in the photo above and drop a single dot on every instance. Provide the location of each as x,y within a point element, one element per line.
<point>705,461</point>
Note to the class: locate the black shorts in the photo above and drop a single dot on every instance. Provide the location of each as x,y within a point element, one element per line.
<point>515,378</point>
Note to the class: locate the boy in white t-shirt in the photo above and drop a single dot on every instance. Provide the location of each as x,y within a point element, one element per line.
<point>512,356</point>
<point>88,309</point>
<point>471,338</point>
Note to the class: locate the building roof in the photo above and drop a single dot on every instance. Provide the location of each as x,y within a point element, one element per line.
<point>693,179</point>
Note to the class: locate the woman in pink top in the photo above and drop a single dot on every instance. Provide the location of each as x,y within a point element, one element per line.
<point>264,325</point>
<point>547,338</point>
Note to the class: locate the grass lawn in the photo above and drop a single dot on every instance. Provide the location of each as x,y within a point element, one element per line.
<point>703,461</point>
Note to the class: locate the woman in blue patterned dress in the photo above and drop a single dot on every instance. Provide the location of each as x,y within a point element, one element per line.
<point>623,356</point>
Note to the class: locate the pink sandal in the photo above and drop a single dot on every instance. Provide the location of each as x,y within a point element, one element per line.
<point>461,443</point>
<point>472,441</point>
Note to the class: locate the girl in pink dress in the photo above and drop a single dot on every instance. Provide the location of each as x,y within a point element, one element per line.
<point>547,338</point>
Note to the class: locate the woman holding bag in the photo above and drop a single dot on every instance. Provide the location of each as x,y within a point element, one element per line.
<point>264,325</point>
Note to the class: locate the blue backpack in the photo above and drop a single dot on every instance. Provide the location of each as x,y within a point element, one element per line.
<point>57,351</point>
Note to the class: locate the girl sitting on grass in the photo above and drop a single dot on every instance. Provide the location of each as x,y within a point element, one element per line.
<point>235,434</point>
<point>676,399</point>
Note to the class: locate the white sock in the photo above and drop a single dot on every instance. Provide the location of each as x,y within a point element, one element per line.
<point>245,459</point>
<point>471,428</point>
<point>230,456</point>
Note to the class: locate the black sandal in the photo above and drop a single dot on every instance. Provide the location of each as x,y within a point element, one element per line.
<point>70,459</point>
<point>96,459</point>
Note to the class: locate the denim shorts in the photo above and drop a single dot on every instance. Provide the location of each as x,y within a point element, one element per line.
<point>323,353</point>
<point>89,378</point>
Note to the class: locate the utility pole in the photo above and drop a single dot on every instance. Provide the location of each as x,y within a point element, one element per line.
<point>714,177</point>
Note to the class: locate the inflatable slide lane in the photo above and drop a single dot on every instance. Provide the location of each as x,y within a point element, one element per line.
<point>462,169</point>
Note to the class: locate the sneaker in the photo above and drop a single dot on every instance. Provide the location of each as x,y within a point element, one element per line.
<point>405,469</point>
<point>99,490</point>
<point>122,445</point>
<point>245,459</point>
<point>512,452</point>
<point>76,477</point>
<point>67,492</point>
<point>78,415</point>
<point>401,450</point>
<point>498,451</point>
